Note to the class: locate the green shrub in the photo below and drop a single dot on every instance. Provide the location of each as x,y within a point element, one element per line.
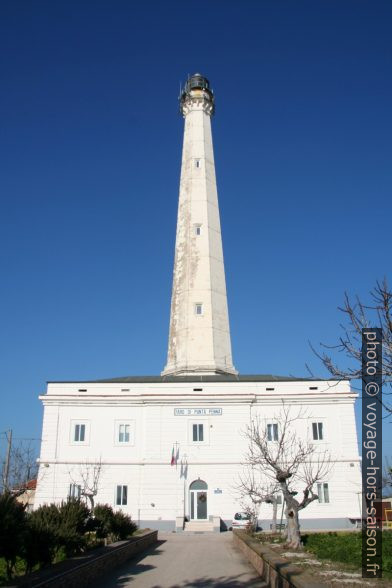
<point>117,525</point>
<point>123,526</point>
<point>74,522</point>
<point>103,520</point>
<point>12,530</point>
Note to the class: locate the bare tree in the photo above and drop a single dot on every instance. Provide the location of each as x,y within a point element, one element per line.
<point>21,467</point>
<point>253,492</point>
<point>88,480</point>
<point>357,317</point>
<point>291,462</point>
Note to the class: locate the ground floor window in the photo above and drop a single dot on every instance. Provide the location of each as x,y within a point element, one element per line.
<point>122,495</point>
<point>323,492</point>
<point>74,491</point>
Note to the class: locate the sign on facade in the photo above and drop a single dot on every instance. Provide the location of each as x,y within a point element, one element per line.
<point>197,411</point>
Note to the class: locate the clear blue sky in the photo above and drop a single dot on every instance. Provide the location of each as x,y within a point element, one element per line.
<point>90,162</point>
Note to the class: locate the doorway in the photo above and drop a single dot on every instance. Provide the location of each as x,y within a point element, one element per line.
<point>198,500</point>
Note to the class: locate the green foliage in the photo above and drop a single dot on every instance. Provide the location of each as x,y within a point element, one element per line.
<point>53,532</point>
<point>346,547</point>
<point>123,526</point>
<point>12,529</point>
<point>103,518</point>
<point>117,524</point>
<point>74,518</point>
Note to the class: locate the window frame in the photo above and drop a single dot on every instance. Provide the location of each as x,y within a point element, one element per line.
<point>274,431</point>
<point>77,423</point>
<point>124,422</point>
<point>318,423</point>
<point>323,486</point>
<point>119,496</point>
<point>72,493</point>
<point>199,304</point>
<point>206,431</point>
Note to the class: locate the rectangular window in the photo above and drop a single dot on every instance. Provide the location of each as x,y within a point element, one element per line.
<point>79,433</point>
<point>74,491</point>
<point>122,496</point>
<point>197,163</point>
<point>123,433</point>
<point>323,492</point>
<point>198,432</point>
<point>197,230</point>
<point>317,429</point>
<point>272,432</point>
<point>198,309</point>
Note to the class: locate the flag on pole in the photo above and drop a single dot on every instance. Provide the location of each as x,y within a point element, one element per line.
<point>173,459</point>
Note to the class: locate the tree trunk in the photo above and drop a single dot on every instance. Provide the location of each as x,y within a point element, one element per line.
<point>274,514</point>
<point>293,534</point>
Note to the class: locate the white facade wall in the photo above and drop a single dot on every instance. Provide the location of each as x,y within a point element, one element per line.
<point>157,491</point>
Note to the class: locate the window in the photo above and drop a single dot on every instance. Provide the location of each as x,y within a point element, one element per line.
<point>79,433</point>
<point>74,491</point>
<point>279,499</point>
<point>198,432</point>
<point>198,308</point>
<point>317,429</point>
<point>197,230</point>
<point>272,432</point>
<point>197,163</point>
<point>122,495</point>
<point>123,433</point>
<point>323,492</point>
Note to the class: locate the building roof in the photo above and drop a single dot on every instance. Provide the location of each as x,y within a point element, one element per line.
<point>195,378</point>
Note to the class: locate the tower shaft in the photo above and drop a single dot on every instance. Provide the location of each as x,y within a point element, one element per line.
<point>199,337</point>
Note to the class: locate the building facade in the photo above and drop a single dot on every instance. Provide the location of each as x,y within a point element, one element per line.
<point>171,448</point>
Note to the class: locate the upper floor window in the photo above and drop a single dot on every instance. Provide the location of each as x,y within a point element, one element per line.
<point>323,492</point>
<point>272,432</point>
<point>197,163</point>
<point>317,430</point>
<point>122,495</point>
<point>75,491</point>
<point>197,432</point>
<point>123,433</point>
<point>79,435</point>
<point>197,230</point>
<point>199,308</point>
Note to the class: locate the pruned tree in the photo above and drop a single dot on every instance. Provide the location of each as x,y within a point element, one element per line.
<point>253,492</point>
<point>87,479</point>
<point>378,313</point>
<point>291,462</point>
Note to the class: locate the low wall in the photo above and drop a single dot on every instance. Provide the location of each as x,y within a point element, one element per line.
<point>278,573</point>
<point>86,569</point>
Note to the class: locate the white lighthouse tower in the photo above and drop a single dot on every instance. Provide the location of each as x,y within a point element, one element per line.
<point>199,337</point>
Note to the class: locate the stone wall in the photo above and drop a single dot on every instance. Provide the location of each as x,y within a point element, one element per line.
<point>84,570</point>
<point>274,570</point>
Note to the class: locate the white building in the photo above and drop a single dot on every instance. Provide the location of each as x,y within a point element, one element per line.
<point>172,446</point>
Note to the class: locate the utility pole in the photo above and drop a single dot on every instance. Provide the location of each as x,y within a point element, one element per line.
<point>8,435</point>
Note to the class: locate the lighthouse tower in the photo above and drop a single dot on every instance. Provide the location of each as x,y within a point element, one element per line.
<point>199,336</point>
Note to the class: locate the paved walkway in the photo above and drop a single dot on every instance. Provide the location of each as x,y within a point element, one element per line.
<point>186,560</point>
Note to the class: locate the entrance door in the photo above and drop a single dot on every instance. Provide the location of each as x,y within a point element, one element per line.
<point>198,500</point>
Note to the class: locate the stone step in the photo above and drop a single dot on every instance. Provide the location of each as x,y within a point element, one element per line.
<point>199,526</point>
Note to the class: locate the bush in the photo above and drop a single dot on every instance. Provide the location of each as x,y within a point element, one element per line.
<point>117,524</point>
<point>12,530</point>
<point>103,520</point>
<point>123,526</point>
<point>74,522</point>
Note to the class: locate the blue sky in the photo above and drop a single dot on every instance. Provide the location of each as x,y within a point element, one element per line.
<point>90,161</point>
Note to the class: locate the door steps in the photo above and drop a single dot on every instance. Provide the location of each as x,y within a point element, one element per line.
<point>199,527</point>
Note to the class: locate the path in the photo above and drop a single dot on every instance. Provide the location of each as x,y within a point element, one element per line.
<point>186,560</point>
